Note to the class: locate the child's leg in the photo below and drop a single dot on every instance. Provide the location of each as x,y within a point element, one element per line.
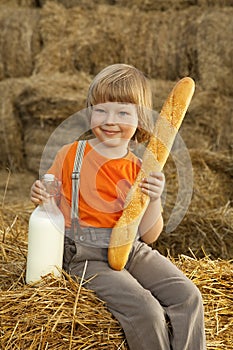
<point>140,314</point>
<point>179,297</point>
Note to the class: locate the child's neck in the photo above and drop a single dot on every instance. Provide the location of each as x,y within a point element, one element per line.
<point>107,151</point>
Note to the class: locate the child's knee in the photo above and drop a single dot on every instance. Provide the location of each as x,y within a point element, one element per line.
<point>151,310</point>
<point>192,295</point>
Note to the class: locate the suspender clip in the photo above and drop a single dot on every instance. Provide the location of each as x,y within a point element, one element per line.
<point>75,175</point>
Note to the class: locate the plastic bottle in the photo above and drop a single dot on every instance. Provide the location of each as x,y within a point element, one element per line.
<point>45,235</point>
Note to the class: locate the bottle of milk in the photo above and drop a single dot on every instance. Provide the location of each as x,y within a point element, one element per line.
<point>45,235</point>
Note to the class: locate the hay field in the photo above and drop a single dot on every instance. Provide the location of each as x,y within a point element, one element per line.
<point>49,52</point>
<point>61,314</point>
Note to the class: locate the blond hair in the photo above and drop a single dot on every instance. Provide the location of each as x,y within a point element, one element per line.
<point>124,83</point>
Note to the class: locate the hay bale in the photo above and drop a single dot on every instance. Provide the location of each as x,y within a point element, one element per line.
<point>43,104</point>
<point>214,280</point>
<point>215,60</point>
<point>19,3</point>
<point>124,41</point>
<point>30,110</point>
<point>160,91</point>
<point>61,313</point>
<point>207,225</point>
<point>15,190</point>
<point>61,30</point>
<point>149,5</point>
<point>70,41</point>
<point>11,129</point>
<point>175,46</point>
<point>74,3</point>
<point>215,3</point>
<point>19,41</point>
<point>209,122</point>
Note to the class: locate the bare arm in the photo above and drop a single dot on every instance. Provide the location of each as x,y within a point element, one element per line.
<point>152,222</point>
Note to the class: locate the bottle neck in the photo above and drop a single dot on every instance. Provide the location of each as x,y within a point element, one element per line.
<point>49,202</point>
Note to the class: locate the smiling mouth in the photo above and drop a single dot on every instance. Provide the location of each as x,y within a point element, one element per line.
<point>110,132</point>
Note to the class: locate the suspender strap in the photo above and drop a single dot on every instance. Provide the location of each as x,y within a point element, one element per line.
<point>76,179</point>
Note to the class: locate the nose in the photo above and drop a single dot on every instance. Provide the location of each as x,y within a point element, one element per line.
<point>110,118</point>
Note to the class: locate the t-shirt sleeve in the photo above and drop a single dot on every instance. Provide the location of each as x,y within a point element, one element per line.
<point>57,166</point>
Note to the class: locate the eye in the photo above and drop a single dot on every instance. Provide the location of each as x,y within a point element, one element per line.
<point>123,113</point>
<point>99,110</point>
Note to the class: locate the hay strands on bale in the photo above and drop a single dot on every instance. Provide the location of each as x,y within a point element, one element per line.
<point>214,278</point>
<point>61,312</point>
<point>58,313</point>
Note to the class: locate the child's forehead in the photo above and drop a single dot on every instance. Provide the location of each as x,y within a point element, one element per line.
<point>117,105</point>
<point>111,94</point>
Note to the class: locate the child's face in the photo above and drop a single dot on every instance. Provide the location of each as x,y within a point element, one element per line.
<point>114,122</point>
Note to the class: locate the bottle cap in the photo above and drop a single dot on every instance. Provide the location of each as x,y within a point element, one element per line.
<point>51,184</point>
<point>48,177</point>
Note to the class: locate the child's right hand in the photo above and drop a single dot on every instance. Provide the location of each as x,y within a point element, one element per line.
<point>38,193</point>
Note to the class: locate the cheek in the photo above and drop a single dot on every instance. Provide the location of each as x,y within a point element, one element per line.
<point>133,125</point>
<point>130,122</point>
<point>135,121</point>
<point>129,131</point>
<point>96,120</point>
<point>96,132</point>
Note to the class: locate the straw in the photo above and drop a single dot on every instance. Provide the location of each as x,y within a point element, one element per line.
<point>60,313</point>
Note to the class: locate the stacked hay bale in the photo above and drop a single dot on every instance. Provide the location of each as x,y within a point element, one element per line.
<point>207,225</point>
<point>163,42</point>
<point>20,41</point>
<point>42,104</point>
<point>49,52</point>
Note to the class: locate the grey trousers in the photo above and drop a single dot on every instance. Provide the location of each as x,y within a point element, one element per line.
<point>158,307</point>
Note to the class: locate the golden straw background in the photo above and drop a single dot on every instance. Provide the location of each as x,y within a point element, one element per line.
<point>49,52</point>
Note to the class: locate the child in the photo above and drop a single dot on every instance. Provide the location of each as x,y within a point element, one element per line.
<point>157,306</point>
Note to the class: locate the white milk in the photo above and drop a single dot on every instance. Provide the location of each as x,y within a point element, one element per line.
<point>45,241</point>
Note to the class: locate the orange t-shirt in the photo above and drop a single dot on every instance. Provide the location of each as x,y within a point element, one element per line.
<point>104,184</point>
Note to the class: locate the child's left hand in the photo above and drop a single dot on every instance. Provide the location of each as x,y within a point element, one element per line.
<point>153,185</point>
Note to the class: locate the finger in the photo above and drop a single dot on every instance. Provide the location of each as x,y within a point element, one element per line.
<point>152,187</point>
<point>38,193</point>
<point>153,181</point>
<point>36,200</point>
<point>157,175</point>
<point>156,188</point>
<point>39,185</point>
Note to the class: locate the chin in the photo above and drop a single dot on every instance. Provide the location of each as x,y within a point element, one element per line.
<point>113,142</point>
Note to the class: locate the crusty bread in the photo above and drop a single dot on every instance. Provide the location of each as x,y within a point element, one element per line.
<point>154,158</point>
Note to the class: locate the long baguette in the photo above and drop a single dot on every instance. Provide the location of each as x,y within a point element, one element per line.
<point>154,158</point>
